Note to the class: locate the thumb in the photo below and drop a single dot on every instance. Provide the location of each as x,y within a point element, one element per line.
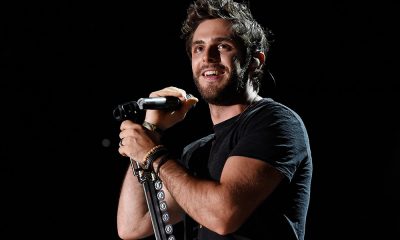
<point>190,103</point>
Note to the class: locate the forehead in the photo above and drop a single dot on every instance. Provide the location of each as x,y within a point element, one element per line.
<point>211,29</point>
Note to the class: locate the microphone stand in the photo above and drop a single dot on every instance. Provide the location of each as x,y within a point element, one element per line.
<point>155,197</point>
<point>152,184</point>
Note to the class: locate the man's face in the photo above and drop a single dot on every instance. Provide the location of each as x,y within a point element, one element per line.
<point>215,62</point>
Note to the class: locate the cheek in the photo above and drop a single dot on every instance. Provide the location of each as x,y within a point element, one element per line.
<point>225,61</point>
<point>195,66</point>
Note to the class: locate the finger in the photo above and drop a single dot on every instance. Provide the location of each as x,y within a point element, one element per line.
<point>121,152</point>
<point>179,90</point>
<point>189,103</point>
<point>192,98</point>
<point>169,91</point>
<point>128,124</point>
<point>131,132</point>
<point>125,124</point>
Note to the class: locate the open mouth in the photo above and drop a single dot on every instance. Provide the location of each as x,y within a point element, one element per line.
<point>212,73</point>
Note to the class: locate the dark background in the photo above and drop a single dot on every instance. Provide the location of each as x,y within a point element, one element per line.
<point>66,65</point>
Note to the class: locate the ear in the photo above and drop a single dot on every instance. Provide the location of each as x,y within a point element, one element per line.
<point>255,62</point>
<point>258,59</point>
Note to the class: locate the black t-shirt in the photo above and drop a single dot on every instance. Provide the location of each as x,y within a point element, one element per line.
<point>270,132</point>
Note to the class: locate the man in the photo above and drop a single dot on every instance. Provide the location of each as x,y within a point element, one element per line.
<point>251,178</point>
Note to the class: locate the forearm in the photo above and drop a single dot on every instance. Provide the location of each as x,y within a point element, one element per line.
<point>133,219</point>
<point>207,202</point>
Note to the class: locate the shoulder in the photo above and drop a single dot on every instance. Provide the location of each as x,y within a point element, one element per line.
<point>274,107</point>
<point>270,111</point>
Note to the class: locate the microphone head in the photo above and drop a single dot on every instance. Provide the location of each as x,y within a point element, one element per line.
<point>129,110</point>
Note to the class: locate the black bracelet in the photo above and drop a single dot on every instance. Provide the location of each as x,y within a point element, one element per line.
<point>153,154</point>
<point>162,161</point>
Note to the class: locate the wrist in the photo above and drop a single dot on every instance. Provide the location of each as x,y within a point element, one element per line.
<point>153,154</point>
<point>160,162</point>
<point>153,128</point>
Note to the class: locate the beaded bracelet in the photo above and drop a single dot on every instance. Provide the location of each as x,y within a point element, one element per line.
<point>153,154</point>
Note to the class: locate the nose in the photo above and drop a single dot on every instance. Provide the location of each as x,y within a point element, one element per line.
<point>211,54</point>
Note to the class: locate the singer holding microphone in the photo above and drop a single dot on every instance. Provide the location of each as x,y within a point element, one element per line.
<point>251,178</point>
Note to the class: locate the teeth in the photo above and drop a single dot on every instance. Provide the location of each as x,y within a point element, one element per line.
<point>209,73</point>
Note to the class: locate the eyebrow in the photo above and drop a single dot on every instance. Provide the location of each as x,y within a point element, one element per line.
<point>218,39</point>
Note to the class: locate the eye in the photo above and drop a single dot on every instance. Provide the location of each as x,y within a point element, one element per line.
<point>224,47</point>
<point>197,49</point>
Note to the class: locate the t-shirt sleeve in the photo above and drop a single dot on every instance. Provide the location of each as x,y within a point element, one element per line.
<point>277,137</point>
<point>190,149</point>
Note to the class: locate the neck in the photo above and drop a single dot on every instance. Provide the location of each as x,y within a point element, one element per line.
<point>222,113</point>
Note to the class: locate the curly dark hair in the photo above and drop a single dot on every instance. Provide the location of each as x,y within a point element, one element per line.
<point>249,34</point>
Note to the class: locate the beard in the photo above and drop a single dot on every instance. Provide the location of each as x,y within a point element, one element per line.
<point>230,92</point>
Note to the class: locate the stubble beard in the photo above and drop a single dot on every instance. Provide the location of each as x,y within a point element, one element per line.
<point>229,93</point>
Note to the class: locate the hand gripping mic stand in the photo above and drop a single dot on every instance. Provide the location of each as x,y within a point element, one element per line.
<point>152,184</point>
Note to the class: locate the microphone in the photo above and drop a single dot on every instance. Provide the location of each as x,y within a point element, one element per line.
<point>160,103</point>
<point>168,103</point>
<point>131,110</point>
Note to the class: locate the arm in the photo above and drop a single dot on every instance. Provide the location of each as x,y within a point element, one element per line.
<point>133,217</point>
<point>222,206</point>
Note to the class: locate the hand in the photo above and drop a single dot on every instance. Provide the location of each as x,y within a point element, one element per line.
<point>136,141</point>
<point>163,119</point>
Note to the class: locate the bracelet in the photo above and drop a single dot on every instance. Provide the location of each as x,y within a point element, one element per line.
<point>152,127</point>
<point>162,161</point>
<point>153,154</point>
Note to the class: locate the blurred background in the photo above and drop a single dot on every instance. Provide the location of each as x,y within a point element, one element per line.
<point>66,65</point>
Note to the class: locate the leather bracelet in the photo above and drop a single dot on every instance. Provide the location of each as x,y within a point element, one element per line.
<point>152,127</point>
<point>163,160</point>
<point>153,154</point>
